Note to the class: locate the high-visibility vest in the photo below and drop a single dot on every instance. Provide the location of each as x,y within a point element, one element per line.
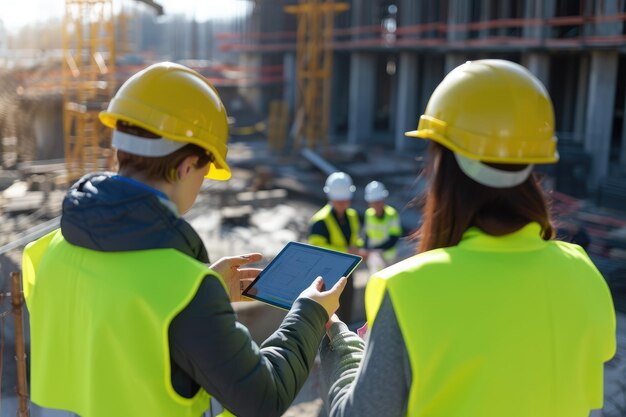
<point>336,239</point>
<point>501,326</point>
<point>379,229</point>
<point>99,328</point>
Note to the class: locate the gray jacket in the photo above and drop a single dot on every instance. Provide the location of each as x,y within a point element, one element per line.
<point>370,382</point>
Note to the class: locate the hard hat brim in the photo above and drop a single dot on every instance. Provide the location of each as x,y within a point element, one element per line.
<point>442,140</point>
<point>219,169</point>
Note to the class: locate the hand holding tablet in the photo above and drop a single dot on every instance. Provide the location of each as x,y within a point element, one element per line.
<point>295,267</point>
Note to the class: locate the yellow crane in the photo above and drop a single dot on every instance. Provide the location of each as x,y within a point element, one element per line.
<point>89,82</point>
<point>314,64</point>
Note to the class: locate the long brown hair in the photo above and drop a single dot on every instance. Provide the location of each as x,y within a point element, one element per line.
<point>454,202</point>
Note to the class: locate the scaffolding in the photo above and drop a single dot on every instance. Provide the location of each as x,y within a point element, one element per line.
<point>512,34</point>
<point>314,64</point>
<point>88,83</point>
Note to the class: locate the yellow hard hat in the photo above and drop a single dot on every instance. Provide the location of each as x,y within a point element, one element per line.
<point>492,111</point>
<point>177,103</point>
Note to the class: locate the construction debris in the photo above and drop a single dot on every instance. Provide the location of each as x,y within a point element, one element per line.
<point>262,198</point>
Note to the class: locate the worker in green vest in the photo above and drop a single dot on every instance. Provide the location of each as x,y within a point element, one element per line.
<point>382,227</point>
<point>337,226</point>
<point>126,317</point>
<point>492,317</point>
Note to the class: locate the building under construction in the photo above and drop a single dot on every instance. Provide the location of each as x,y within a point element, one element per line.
<point>390,54</point>
<point>349,75</point>
<point>360,72</point>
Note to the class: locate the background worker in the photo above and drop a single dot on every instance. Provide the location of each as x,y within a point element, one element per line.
<point>337,226</point>
<point>382,228</point>
<point>126,317</point>
<point>493,317</point>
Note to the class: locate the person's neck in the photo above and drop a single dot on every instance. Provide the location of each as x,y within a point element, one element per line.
<point>499,227</point>
<point>339,214</point>
<point>160,185</point>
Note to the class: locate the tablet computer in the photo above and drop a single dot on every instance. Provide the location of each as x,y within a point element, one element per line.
<point>294,268</point>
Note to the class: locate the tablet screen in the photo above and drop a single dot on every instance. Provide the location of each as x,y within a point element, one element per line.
<point>294,268</point>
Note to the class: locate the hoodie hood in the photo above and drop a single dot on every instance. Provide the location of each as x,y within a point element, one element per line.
<point>105,213</point>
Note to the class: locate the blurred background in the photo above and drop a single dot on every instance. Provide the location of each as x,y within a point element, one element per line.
<point>311,86</point>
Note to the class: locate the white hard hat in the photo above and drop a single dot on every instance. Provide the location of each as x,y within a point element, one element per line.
<point>339,186</point>
<point>375,191</point>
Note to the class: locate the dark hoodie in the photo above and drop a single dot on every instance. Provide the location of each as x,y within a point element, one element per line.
<point>208,347</point>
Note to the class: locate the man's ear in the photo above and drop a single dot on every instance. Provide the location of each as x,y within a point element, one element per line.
<point>186,166</point>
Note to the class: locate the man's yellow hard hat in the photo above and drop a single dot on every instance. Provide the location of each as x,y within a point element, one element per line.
<point>492,111</point>
<point>177,103</point>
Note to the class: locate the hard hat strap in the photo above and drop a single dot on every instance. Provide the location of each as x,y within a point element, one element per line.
<point>489,176</point>
<point>144,147</point>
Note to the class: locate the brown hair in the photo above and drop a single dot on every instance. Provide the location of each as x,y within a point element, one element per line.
<point>157,168</point>
<point>454,202</point>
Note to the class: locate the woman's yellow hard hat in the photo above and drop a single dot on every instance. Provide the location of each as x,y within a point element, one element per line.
<point>492,111</point>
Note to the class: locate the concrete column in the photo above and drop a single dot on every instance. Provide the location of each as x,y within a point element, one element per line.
<point>362,96</point>
<point>622,150</point>
<point>547,8</point>
<point>359,11</point>
<point>600,107</point>
<point>186,33</point>
<point>272,16</point>
<point>404,107</point>
<point>252,95</point>
<point>48,129</point>
<point>538,9</point>
<point>622,153</point>
<point>289,74</point>
<point>453,60</point>
<point>408,12</point>
<point>406,104</point>
<point>539,64</point>
<point>608,8</point>
<point>206,45</point>
<point>581,99</point>
<point>458,12</point>
<point>505,12</point>
<point>485,15</point>
<point>203,45</point>
<point>530,12</point>
<point>340,95</point>
<point>432,72</point>
<point>393,97</point>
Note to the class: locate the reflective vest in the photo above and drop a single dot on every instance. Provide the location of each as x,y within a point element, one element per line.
<point>501,326</point>
<point>379,229</point>
<point>336,240</point>
<point>99,328</point>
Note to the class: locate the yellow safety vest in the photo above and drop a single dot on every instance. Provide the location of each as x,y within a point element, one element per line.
<point>378,229</point>
<point>501,326</point>
<point>99,328</point>
<point>336,240</point>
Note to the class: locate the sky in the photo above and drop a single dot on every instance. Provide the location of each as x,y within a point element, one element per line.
<point>17,13</point>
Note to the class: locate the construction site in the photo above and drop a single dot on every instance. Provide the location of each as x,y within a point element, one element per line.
<point>311,87</point>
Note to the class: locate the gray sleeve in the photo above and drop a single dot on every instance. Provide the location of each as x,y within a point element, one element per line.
<point>217,352</point>
<point>372,380</point>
